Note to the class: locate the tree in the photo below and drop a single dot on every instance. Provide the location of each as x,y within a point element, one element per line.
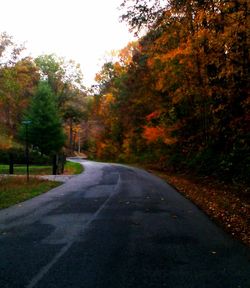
<point>65,79</point>
<point>17,85</point>
<point>184,89</point>
<point>45,132</point>
<point>9,51</point>
<point>18,79</point>
<point>63,76</point>
<point>141,14</point>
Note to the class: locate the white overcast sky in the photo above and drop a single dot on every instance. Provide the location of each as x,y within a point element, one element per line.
<point>81,30</point>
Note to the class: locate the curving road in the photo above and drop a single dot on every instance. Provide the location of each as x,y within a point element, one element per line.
<point>116,227</point>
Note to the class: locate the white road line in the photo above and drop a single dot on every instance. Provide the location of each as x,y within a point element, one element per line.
<point>65,248</point>
<point>46,268</point>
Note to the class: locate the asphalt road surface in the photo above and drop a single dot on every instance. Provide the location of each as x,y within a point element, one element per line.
<point>116,227</point>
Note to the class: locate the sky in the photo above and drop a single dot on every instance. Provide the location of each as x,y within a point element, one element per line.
<point>81,30</point>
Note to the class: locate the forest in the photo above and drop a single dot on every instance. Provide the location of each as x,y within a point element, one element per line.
<point>179,97</point>
<point>176,99</point>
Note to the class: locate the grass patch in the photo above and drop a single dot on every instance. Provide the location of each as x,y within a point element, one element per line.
<point>14,190</point>
<point>21,169</point>
<point>71,168</point>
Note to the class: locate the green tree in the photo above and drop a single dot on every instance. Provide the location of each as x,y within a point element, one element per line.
<point>45,131</point>
<point>65,79</point>
<point>63,76</point>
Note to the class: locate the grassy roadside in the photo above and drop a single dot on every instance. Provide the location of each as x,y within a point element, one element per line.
<point>14,190</point>
<point>21,169</point>
<point>227,205</point>
<point>71,168</point>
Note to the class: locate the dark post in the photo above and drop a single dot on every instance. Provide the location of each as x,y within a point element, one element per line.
<point>27,154</point>
<point>26,123</point>
<point>11,164</point>
<point>55,165</point>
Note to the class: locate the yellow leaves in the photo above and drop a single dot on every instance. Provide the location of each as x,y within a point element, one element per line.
<point>160,84</point>
<point>104,105</point>
<point>219,108</point>
<point>108,98</point>
<point>126,146</point>
<point>169,140</point>
<point>202,34</point>
<point>98,77</point>
<point>171,68</point>
<point>127,53</point>
<point>174,53</point>
<point>178,96</point>
<point>178,53</point>
<point>6,142</point>
<point>106,149</point>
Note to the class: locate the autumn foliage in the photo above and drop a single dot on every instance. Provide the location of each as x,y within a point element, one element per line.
<point>179,97</point>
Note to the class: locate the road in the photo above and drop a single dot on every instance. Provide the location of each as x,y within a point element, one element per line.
<point>116,227</point>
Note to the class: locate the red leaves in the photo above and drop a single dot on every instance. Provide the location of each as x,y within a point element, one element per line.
<point>153,115</point>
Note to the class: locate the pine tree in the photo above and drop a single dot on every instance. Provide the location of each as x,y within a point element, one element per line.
<point>45,131</point>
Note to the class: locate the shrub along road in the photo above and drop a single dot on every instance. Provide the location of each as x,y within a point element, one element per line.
<point>116,226</point>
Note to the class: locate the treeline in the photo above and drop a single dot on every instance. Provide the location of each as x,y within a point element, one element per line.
<point>179,97</point>
<point>47,92</point>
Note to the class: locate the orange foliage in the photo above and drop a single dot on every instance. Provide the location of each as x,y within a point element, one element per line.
<point>152,134</point>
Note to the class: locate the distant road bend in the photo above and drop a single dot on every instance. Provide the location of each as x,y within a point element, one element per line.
<point>116,227</point>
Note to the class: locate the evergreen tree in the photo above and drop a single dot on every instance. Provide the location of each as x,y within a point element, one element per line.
<point>45,130</point>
